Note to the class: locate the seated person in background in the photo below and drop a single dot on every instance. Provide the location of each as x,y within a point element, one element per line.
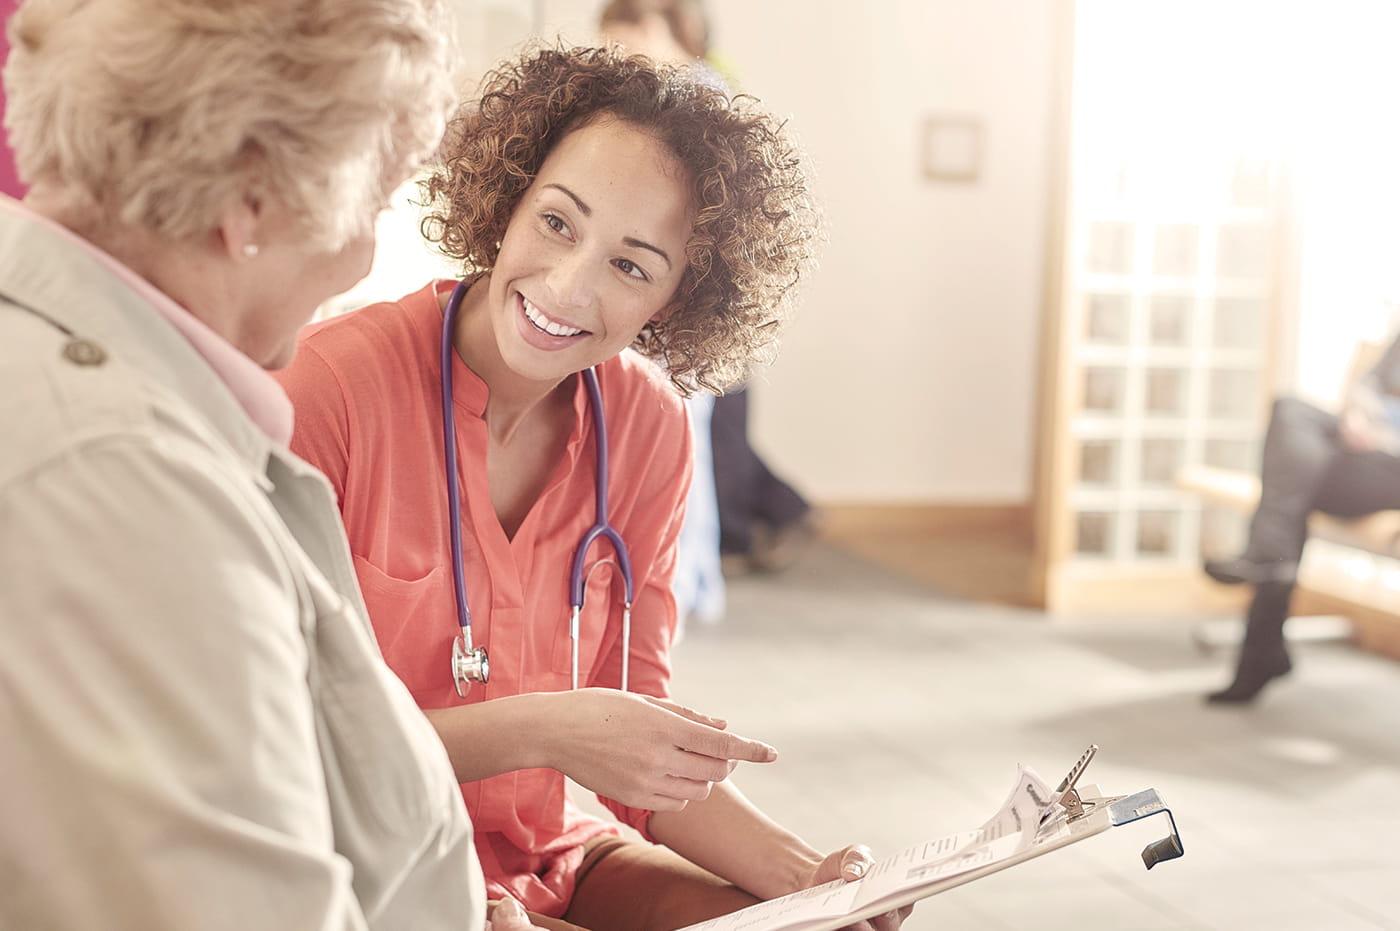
<point>604,215</point>
<point>763,521</point>
<point>1345,465</point>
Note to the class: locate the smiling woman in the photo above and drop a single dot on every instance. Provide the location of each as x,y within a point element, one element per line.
<point>596,206</point>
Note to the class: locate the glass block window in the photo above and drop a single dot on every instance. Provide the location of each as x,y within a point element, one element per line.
<point>1176,315</point>
<point>1169,302</point>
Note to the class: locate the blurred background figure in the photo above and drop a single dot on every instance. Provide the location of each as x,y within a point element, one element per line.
<point>669,31</point>
<point>763,521</point>
<point>740,516</point>
<point>665,32</point>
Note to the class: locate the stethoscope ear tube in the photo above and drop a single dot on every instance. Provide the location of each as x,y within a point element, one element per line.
<point>469,664</point>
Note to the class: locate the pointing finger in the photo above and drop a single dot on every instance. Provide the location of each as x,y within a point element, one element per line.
<point>725,746</point>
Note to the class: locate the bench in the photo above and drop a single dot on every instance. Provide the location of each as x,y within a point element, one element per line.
<point>1377,533</point>
<point>1350,574</point>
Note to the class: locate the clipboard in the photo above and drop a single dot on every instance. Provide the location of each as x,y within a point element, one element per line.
<point>1067,816</point>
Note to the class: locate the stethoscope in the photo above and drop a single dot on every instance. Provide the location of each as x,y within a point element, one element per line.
<point>471,664</point>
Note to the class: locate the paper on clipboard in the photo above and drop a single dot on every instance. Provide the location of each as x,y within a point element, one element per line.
<point>1029,823</point>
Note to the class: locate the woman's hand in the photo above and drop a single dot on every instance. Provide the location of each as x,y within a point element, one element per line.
<point>507,915</point>
<point>645,752</point>
<point>852,863</point>
<point>1362,433</point>
<point>1363,424</point>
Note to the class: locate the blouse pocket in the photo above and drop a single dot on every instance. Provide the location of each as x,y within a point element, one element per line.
<point>415,624</point>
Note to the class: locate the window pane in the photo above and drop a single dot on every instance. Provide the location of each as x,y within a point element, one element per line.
<point>1238,323</point>
<point>1174,250</point>
<point>1103,390</point>
<point>1232,394</point>
<point>1239,455</point>
<point>1094,533</point>
<point>1156,532</point>
<point>1161,458</point>
<point>1106,320</point>
<point>1110,248</point>
<point>1166,392</point>
<point>1098,462</point>
<point>1169,319</point>
<point>1250,183</point>
<point>1243,252</point>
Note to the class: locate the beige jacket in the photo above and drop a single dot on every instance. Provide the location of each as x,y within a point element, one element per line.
<point>196,727</point>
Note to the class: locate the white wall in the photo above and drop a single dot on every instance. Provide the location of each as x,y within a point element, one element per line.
<point>911,371</point>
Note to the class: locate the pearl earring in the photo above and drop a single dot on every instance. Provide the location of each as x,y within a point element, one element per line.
<point>250,250</point>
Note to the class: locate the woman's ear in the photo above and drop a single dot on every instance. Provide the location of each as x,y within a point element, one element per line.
<point>653,327</point>
<point>664,314</point>
<point>240,226</point>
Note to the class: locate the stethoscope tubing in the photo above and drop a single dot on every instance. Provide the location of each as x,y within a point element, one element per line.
<point>601,527</point>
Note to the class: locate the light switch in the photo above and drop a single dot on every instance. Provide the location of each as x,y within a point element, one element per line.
<point>952,149</point>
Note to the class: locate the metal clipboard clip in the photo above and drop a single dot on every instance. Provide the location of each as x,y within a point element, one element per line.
<point>1122,809</point>
<point>1141,805</point>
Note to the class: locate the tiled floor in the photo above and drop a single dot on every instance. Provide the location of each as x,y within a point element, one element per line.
<point>901,714</point>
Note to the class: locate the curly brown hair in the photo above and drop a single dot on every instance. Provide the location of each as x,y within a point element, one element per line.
<point>756,225</point>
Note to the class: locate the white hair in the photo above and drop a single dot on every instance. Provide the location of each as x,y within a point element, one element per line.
<point>154,113</point>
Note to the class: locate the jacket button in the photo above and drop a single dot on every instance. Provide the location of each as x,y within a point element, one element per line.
<point>84,352</point>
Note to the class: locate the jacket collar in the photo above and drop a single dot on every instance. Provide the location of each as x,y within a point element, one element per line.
<point>46,273</point>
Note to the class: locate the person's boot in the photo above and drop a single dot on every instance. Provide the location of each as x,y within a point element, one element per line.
<point>1251,678</point>
<point>1263,654</point>
<point>1244,570</point>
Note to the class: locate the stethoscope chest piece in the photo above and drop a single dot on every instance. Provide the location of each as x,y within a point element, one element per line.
<point>469,664</point>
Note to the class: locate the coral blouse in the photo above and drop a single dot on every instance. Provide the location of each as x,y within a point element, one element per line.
<point>366,390</point>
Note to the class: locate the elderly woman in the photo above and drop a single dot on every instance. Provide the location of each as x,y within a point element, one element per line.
<point>199,727</point>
